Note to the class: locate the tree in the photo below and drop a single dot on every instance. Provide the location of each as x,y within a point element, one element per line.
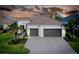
<point>53,12</point>
<point>72,24</point>
<point>13,30</point>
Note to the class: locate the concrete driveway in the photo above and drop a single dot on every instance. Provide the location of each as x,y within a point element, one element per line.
<point>48,45</point>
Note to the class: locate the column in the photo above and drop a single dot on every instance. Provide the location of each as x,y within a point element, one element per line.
<point>28,32</point>
<point>63,32</point>
<point>40,32</point>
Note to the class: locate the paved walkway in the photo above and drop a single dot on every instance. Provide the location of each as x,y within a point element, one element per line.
<point>22,35</point>
<point>48,45</point>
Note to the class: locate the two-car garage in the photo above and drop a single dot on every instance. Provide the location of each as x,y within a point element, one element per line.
<point>46,32</point>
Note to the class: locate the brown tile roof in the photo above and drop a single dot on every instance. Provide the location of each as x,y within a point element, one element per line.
<point>44,20</point>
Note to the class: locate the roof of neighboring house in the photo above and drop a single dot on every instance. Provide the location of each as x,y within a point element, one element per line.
<point>20,18</point>
<point>6,21</point>
<point>44,20</point>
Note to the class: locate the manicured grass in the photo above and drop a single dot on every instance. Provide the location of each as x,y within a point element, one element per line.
<point>74,43</point>
<point>6,48</point>
<point>75,46</point>
<point>5,38</point>
<point>13,49</point>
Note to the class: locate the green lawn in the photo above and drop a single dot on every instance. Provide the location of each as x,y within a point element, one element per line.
<point>11,48</point>
<point>5,38</point>
<point>75,46</point>
<point>74,42</point>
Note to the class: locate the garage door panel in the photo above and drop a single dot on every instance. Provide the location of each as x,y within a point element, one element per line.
<point>33,32</point>
<point>52,32</point>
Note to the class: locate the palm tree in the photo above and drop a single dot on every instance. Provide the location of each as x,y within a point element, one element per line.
<point>13,30</point>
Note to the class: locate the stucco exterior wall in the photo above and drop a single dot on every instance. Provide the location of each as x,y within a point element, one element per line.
<point>42,27</point>
<point>23,22</point>
<point>63,32</point>
<point>5,26</point>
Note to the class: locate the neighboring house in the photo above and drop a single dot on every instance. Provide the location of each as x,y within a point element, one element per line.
<point>42,26</point>
<point>5,21</point>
